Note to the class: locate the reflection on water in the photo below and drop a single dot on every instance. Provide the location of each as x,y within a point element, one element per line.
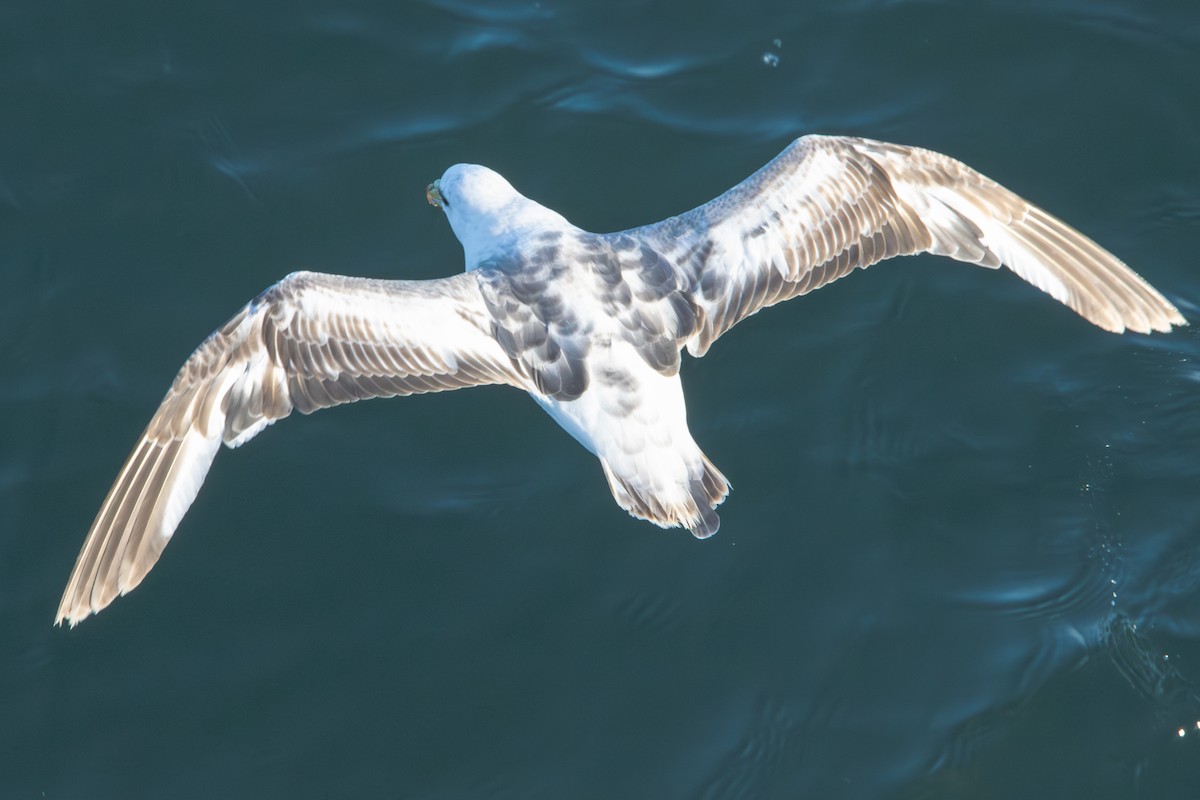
<point>960,555</point>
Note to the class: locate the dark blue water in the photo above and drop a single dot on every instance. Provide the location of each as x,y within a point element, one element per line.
<point>962,554</point>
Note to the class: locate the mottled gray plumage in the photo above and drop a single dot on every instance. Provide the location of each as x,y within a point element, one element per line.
<point>591,325</point>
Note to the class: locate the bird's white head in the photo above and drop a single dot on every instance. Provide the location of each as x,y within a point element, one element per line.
<point>487,214</point>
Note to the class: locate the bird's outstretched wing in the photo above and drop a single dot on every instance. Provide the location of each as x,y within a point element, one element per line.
<point>829,204</point>
<point>309,342</point>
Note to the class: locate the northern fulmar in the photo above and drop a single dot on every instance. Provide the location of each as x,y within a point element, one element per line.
<point>591,325</point>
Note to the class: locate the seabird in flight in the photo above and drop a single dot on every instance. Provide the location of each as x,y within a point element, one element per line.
<point>591,325</point>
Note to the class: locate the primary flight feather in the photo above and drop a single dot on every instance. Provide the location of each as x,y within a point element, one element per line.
<point>590,325</point>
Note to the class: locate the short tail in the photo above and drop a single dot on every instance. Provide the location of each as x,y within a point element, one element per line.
<point>682,506</point>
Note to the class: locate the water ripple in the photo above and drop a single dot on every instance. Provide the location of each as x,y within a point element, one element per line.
<point>650,612</point>
<point>497,13</point>
<point>649,67</point>
<point>772,740</point>
<point>1174,603</point>
<point>1042,596</point>
<point>1174,205</point>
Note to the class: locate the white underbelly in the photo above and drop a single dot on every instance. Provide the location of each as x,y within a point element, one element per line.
<point>631,416</point>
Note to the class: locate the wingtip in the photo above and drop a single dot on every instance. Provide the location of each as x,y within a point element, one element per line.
<point>1141,317</point>
<point>1167,318</point>
<point>72,610</point>
<point>69,618</point>
<point>1161,323</point>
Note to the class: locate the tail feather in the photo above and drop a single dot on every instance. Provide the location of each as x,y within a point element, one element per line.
<point>684,506</point>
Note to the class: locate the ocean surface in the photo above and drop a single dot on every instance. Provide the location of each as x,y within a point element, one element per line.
<point>962,554</point>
